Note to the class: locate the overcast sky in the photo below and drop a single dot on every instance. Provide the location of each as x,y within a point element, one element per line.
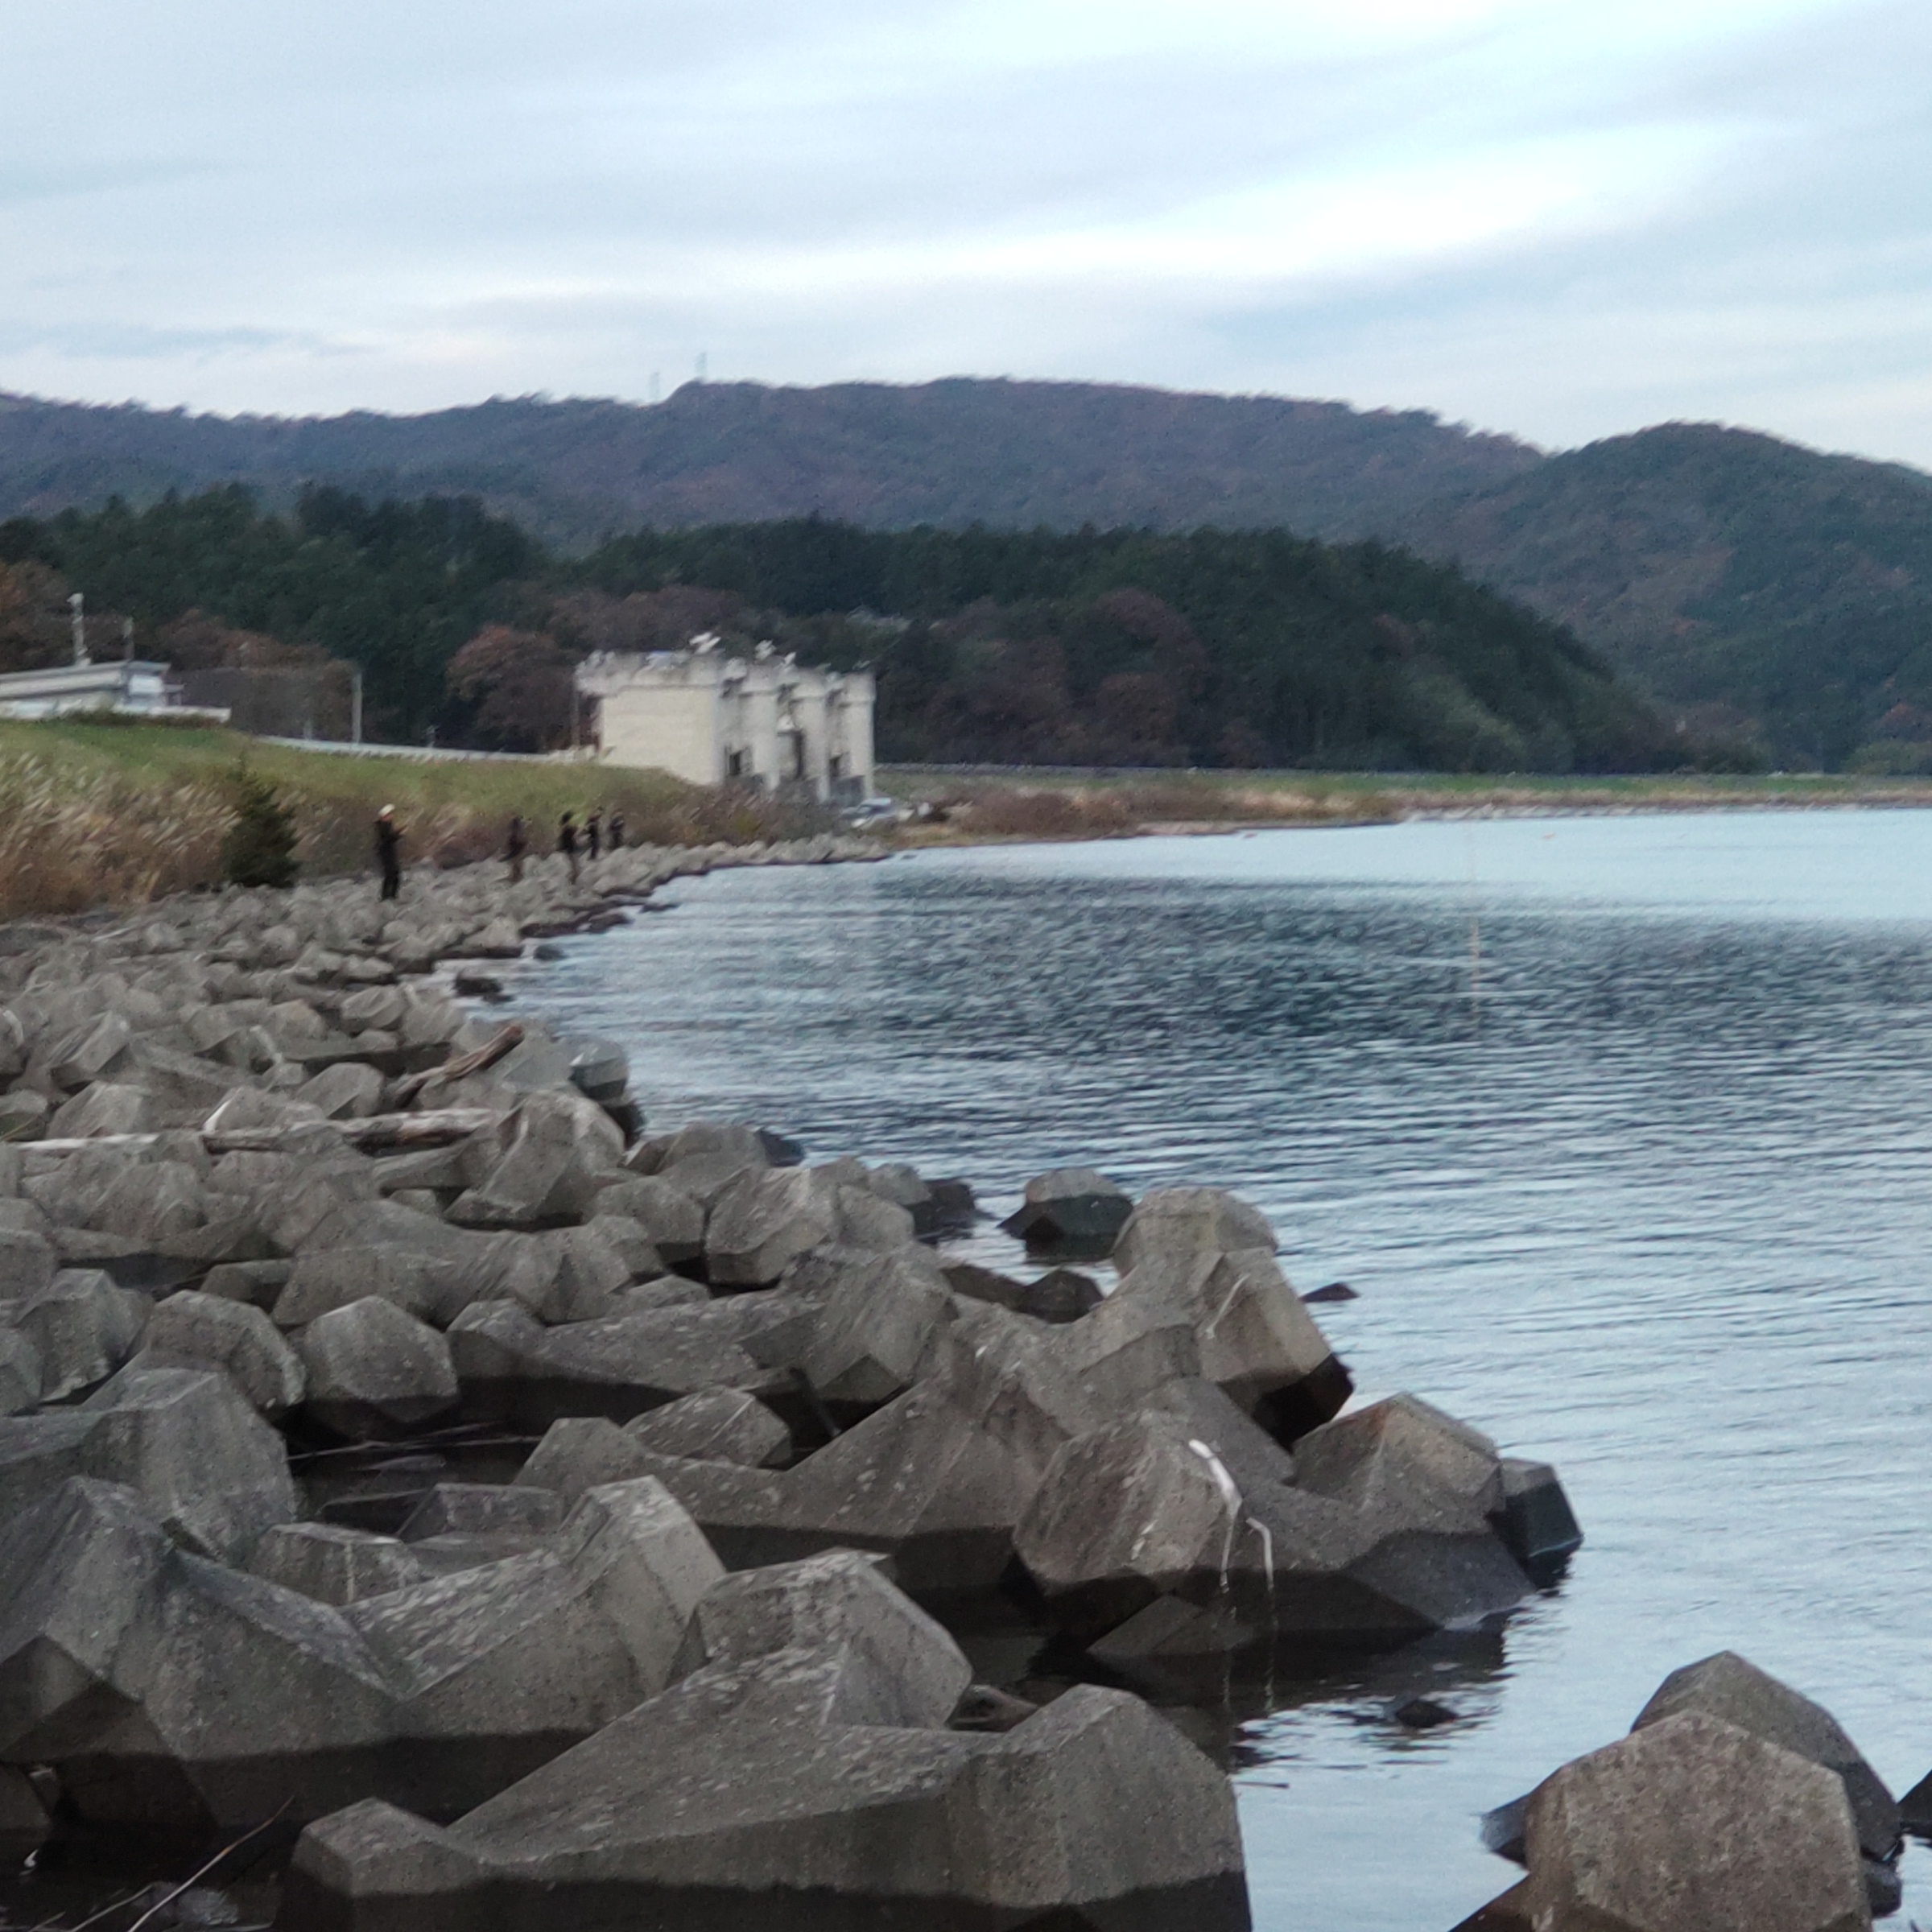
<point>1563,218</point>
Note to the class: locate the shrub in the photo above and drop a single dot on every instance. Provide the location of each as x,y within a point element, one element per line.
<point>260,847</point>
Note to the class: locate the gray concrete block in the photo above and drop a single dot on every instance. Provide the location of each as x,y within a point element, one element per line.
<point>715,1425</point>
<point>334,1565</point>
<point>374,1370</point>
<point>1693,1822</point>
<point>196,1331</point>
<point>1729,1687</point>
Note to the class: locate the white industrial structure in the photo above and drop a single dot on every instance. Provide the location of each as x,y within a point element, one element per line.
<point>132,685</point>
<point>763,721</point>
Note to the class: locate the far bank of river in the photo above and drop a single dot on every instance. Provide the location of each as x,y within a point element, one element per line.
<point>978,804</point>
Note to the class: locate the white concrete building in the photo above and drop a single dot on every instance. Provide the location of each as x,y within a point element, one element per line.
<point>130,684</point>
<point>716,720</point>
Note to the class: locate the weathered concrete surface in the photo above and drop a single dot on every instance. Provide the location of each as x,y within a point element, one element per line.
<point>513,1368</point>
<point>808,1785</point>
<point>1256,1336</point>
<point>374,1370</point>
<point>165,1688</point>
<point>875,1331</point>
<point>212,1470</point>
<point>1728,1687</point>
<point>1174,1532</point>
<point>1073,1210</point>
<point>335,1565</point>
<point>717,1426</point>
<point>82,1327</point>
<point>190,1331</point>
<point>1177,1223</point>
<point>563,1143</point>
<point>1693,1823</point>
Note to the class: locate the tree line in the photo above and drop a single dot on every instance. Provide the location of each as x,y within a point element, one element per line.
<point>1119,647</point>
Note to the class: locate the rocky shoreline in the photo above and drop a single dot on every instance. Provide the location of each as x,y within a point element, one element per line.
<point>463,1503</point>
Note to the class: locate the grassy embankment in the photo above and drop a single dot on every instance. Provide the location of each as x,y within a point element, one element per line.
<point>94,814</point>
<point>971,808</point>
<point>115,813</point>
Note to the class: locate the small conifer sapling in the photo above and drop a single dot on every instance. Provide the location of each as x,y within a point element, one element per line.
<point>259,849</point>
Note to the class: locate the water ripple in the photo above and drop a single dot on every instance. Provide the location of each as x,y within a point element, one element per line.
<point>1622,1128</point>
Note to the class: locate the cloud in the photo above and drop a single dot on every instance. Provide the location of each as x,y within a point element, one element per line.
<point>1545,216</point>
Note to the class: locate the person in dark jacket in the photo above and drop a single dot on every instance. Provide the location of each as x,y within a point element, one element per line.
<point>515,845</point>
<point>567,842</point>
<point>389,851</point>
<point>593,832</point>
<point>613,832</point>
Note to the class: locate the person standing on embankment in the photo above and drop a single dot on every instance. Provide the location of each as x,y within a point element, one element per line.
<point>389,851</point>
<point>514,846</point>
<point>567,843</point>
<point>593,832</point>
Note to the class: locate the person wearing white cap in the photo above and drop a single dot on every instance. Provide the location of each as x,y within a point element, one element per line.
<point>389,851</point>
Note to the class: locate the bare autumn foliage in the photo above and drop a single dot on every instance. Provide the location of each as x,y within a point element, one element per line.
<point>33,616</point>
<point>650,620</point>
<point>519,683</point>
<point>196,641</point>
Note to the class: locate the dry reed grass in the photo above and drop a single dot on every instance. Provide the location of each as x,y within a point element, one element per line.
<point>70,841</point>
<point>1111,810</point>
<point>98,816</point>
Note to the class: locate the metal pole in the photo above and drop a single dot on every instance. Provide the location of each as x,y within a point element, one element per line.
<point>78,605</point>
<point>355,714</point>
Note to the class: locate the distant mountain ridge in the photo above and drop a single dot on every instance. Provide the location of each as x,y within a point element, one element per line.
<point>1754,584</point>
<point>1010,455</point>
<point>1746,579</point>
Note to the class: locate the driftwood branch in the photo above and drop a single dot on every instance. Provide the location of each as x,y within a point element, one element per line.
<point>434,1129</point>
<point>194,1878</point>
<point>486,1055</point>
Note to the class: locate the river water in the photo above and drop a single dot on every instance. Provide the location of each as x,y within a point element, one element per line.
<point>1620,1127</point>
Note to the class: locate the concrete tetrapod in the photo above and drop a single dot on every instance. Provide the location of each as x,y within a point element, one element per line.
<point>335,1565</point>
<point>1185,1530</point>
<point>1729,1687</point>
<point>82,1327</point>
<point>809,1787</point>
<point>838,1598</point>
<point>766,1218</point>
<point>875,1332</point>
<point>373,1371</point>
<point>191,1330</point>
<point>715,1425</point>
<point>1177,1223</point>
<point>938,1477</point>
<point>512,1366</point>
<point>1256,1338</point>
<point>1692,1823</point>
<point>164,1688</point>
<point>21,1372</point>
<point>210,1470</point>
<point>563,1144</point>
<point>1070,1210</point>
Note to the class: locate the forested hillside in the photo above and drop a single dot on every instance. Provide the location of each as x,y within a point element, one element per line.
<point>1748,583</point>
<point>1013,455</point>
<point>1759,589</point>
<point>1125,648</point>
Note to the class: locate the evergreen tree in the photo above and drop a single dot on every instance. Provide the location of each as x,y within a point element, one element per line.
<point>260,847</point>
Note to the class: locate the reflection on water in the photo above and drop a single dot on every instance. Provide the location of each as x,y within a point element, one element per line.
<point>1622,1128</point>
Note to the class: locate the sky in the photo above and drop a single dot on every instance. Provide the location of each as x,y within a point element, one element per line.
<point>1561,218</point>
